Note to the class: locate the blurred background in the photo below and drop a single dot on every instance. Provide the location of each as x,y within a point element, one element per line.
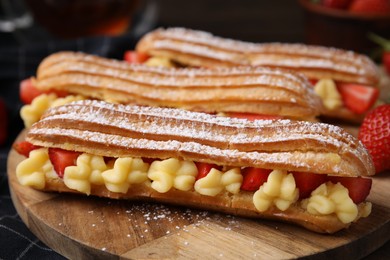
<point>324,22</point>
<point>39,20</point>
<point>32,29</point>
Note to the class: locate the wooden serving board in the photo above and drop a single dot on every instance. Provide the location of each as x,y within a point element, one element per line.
<point>80,227</point>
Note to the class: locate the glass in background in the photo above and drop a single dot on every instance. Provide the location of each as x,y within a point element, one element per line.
<point>41,20</point>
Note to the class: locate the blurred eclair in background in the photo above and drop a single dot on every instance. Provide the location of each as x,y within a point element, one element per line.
<point>345,81</point>
<point>245,91</point>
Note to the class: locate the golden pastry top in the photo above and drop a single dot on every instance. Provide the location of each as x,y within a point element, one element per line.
<point>240,89</point>
<point>198,48</point>
<point>137,131</point>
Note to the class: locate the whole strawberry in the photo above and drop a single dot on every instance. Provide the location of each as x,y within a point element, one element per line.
<point>370,6</point>
<point>385,44</point>
<point>374,133</point>
<point>337,4</point>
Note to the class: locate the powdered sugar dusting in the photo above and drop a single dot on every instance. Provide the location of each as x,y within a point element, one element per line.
<point>179,78</point>
<point>200,131</point>
<point>188,134</point>
<point>184,78</point>
<point>249,89</point>
<point>208,45</point>
<point>201,51</point>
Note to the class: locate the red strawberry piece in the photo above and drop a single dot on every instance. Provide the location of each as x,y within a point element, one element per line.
<point>24,148</point>
<point>205,168</point>
<point>337,4</point>
<point>385,44</point>
<point>358,187</point>
<point>149,160</point>
<point>386,61</point>
<point>253,178</point>
<point>370,6</point>
<point>306,182</point>
<point>135,57</point>
<point>61,159</point>
<point>313,81</point>
<point>107,159</point>
<point>374,133</point>
<point>3,122</point>
<point>358,98</point>
<point>252,117</point>
<point>27,91</point>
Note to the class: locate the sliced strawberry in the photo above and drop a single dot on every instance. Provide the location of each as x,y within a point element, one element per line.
<point>204,169</point>
<point>61,159</point>
<point>358,98</point>
<point>386,61</point>
<point>252,117</point>
<point>107,159</point>
<point>313,81</point>
<point>24,148</point>
<point>135,57</point>
<point>149,160</point>
<point>306,182</point>
<point>28,91</point>
<point>358,187</point>
<point>253,178</point>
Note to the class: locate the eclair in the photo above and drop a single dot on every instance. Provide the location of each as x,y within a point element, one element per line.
<point>308,173</point>
<point>245,90</point>
<point>345,81</point>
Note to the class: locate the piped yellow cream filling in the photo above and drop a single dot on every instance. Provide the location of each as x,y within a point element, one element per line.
<point>31,113</point>
<point>326,89</point>
<point>159,62</point>
<point>118,175</point>
<point>279,190</point>
<point>332,198</point>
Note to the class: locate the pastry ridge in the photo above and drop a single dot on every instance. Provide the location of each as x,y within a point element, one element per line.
<point>240,89</point>
<point>198,48</point>
<point>115,130</point>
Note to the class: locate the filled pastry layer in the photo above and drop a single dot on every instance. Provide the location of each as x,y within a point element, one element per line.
<point>151,153</point>
<point>242,89</point>
<point>345,81</point>
<point>198,48</point>
<point>117,130</point>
